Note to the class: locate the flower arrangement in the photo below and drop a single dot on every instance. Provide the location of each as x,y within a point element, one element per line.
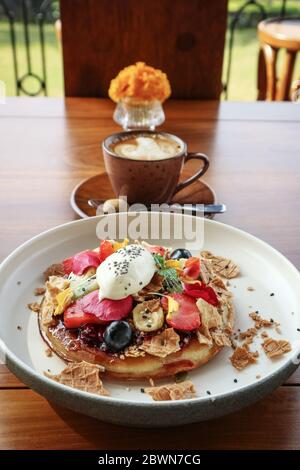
<point>141,82</point>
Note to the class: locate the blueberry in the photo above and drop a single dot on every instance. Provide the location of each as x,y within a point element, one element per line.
<point>117,335</point>
<point>181,253</point>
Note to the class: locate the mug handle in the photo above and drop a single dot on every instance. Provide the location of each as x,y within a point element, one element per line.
<point>191,156</point>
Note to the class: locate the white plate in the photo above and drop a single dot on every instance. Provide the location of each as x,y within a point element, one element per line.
<point>262,268</point>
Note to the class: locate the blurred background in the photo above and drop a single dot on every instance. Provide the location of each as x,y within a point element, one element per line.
<point>30,39</point>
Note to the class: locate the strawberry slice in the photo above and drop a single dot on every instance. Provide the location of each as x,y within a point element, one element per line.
<point>74,317</point>
<point>187,316</point>
<point>192,268</point>
<point>105,250</point>
<point>81,262</point>
<point>202,291</point>
<point>156,250</point>
<point>89,309</point>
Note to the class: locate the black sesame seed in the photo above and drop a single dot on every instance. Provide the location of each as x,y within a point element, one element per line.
<point>18,283</point>
<point>208,392</point>
<point>235,381</point>
<point>142,390</point>
<point>272,294</point>
<point>298,329</point>
<point>271,320</point>
<point>140,283</point>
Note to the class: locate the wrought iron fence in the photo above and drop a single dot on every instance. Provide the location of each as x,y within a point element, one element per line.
<point>25,13</point>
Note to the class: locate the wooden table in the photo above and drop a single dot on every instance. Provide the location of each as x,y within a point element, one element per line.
<point>48,145</point>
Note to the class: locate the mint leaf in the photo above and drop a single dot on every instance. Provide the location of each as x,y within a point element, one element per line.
<point>171,281</point>
<point>159,260</point>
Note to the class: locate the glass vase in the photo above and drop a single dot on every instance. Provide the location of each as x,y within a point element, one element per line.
<point>132,113</point>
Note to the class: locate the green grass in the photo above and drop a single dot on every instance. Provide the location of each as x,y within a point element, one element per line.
<point>243,74</point>
<point>53,58</point>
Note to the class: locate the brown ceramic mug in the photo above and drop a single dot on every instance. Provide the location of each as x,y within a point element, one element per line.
<point>149,181</point>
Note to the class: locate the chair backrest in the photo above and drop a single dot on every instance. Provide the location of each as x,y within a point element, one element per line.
<point>184,38</point>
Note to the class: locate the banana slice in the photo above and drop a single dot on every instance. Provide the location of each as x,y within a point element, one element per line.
<point>145,320</point>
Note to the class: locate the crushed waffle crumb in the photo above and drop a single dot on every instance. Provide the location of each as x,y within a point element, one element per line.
<point>54,270</point>
<point>247,342</point>
<point>34,306</point>
<point>259,321</point>
<point>151,382</point>
<point>134,351</point>
<point>222,266</point>
<point>220,338</point>
<point>81,375</point>
<point>163,344</point>
<point>176,391</point>
<point>250,333</point>
<point>48,352</point>
<point>155,285</point>
<point>241,358</point>
<point>276,347</point>
<point>277,328</point>
<point>39,291</point>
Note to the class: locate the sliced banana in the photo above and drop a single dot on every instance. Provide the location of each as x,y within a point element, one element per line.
<point>144,320</point>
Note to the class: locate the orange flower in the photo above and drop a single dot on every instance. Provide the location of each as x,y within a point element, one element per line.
<point>140,81</point>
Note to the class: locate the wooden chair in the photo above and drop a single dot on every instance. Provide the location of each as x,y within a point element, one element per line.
<point>184,38</point>
<point>274,34</point>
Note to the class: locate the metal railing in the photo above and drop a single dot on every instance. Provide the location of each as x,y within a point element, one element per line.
<point>26,14</point>
<point>44,11</point>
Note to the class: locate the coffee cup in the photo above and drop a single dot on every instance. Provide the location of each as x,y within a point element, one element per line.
<point>145,166</point>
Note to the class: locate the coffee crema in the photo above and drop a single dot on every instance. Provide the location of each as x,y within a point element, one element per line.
<point>156,147</point>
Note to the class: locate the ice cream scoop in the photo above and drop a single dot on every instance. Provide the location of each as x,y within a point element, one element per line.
<point>125,272</point>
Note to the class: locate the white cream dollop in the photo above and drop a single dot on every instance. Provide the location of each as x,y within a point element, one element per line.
<point>125,272</point>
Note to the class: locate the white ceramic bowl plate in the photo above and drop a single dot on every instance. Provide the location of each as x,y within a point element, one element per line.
<point>220,388</point>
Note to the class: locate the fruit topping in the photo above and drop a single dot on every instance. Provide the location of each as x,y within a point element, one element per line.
<point>147,319</point>
<point>192,268</point>
<point>183,313</point>
<point>160,250</point>
<point>105,250</point>
<point>80,262</point>
<point>180,253</point>
<point>117,335</point>
<point>90,309</point>
<point>200,290</point>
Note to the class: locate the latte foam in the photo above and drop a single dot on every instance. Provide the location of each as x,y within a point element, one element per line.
<point>147,148</point>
